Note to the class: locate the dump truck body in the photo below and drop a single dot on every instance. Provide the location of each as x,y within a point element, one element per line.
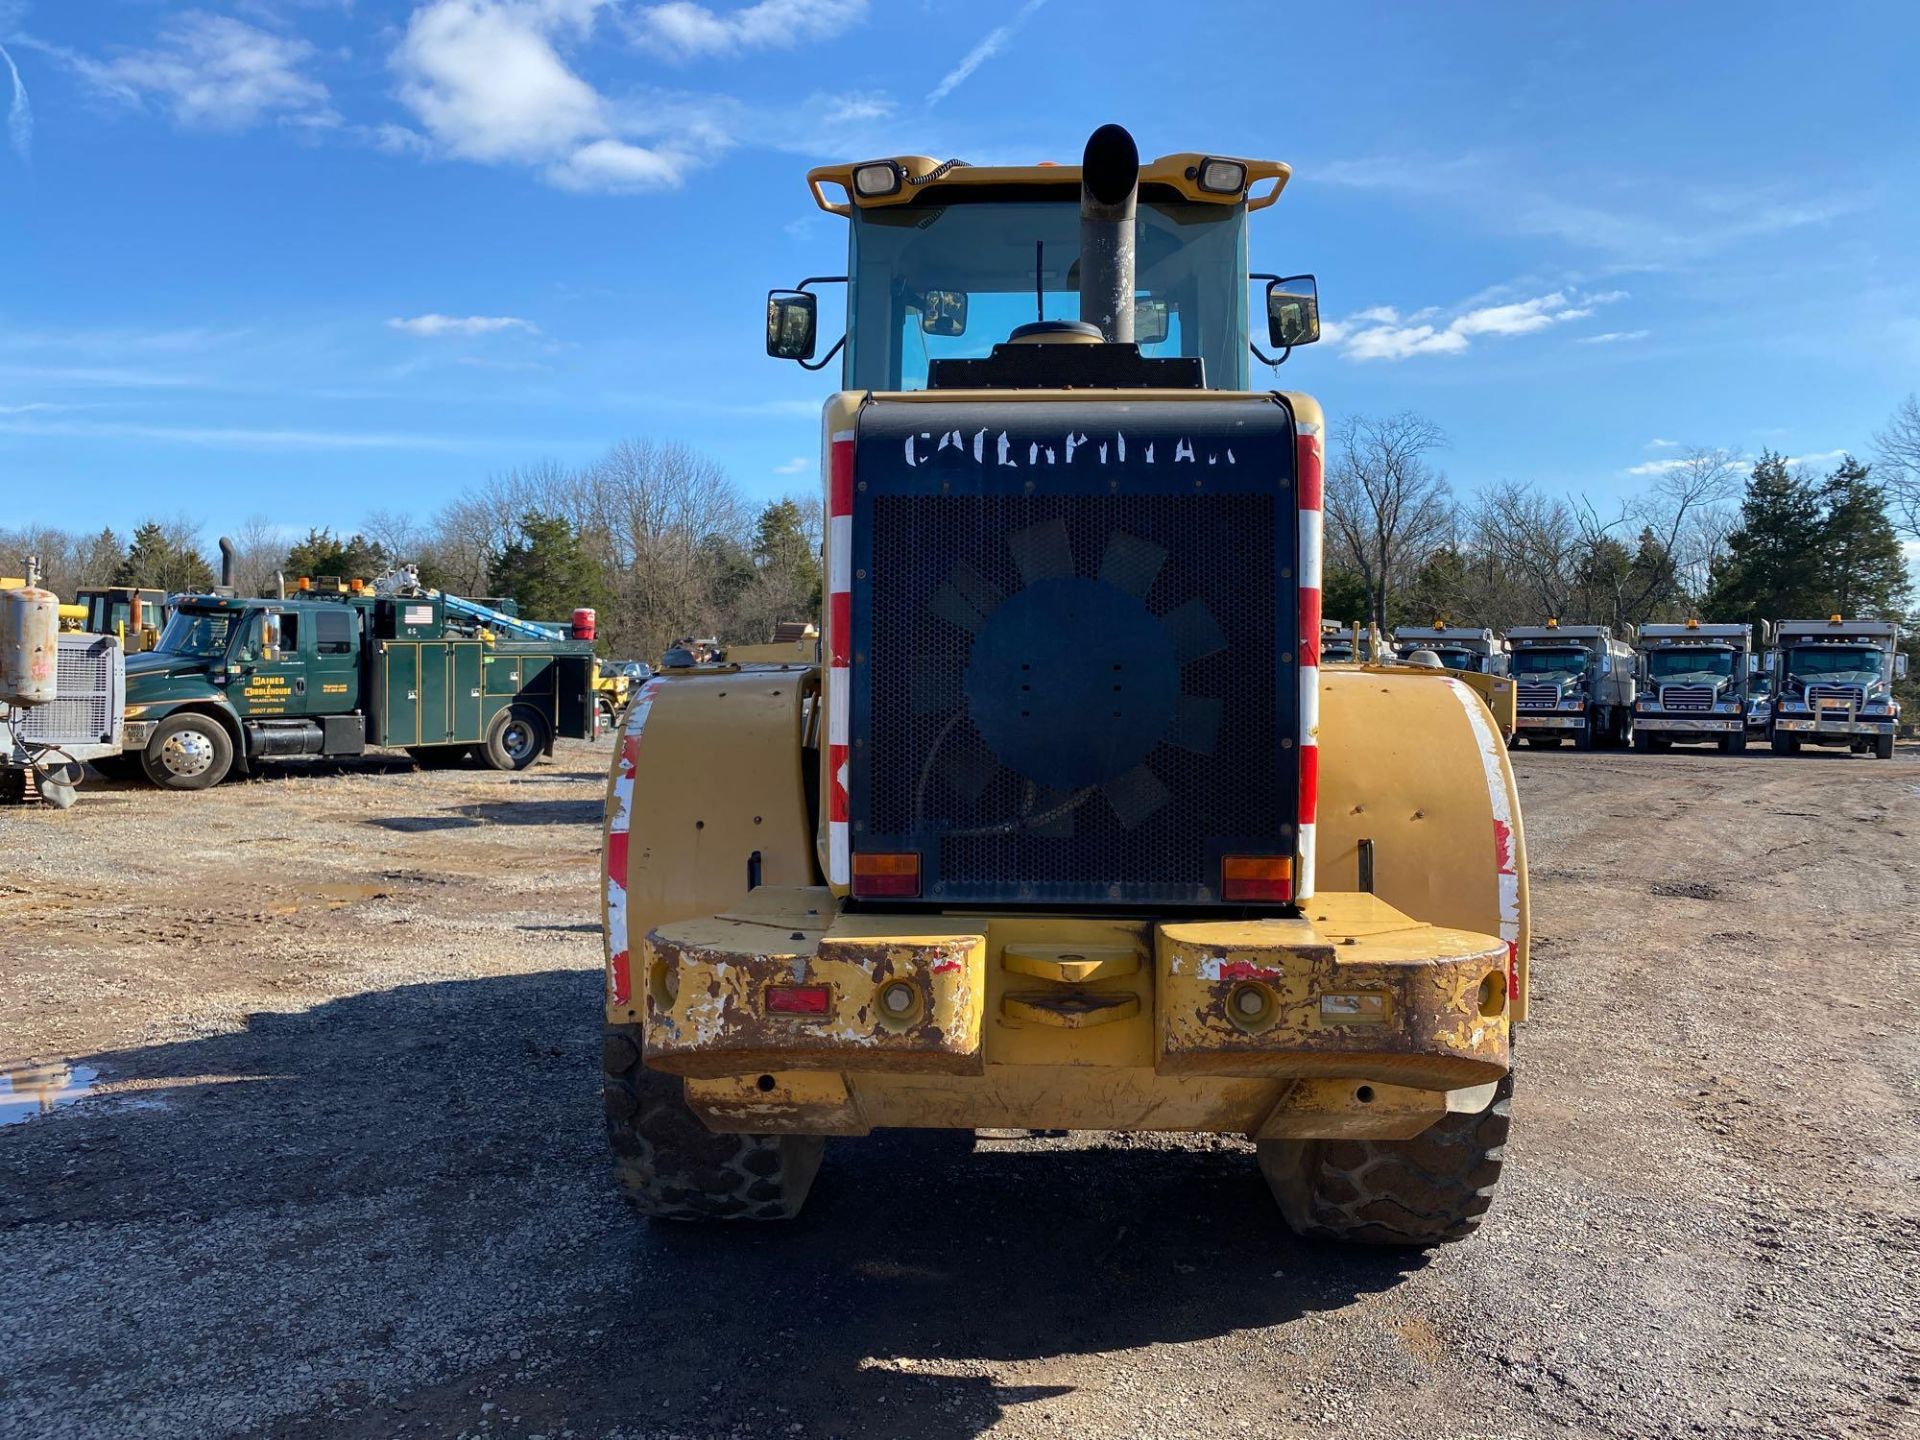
<point>1833,684</point>
<point>1067,826</point>
<point>1571,682</point>
<point>330,674</point>
<point>1693,683</point>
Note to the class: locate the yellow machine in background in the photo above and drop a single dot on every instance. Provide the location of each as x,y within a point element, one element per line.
<point>1064,825</point>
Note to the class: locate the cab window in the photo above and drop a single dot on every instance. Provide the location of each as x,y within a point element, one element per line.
<point>333,632</point>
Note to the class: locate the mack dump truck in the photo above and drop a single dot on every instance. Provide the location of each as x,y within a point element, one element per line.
<point>1068,829</point>
<point>1571,681</point>
<point>1692,685</point>
<point>337,667</point>
<point>1457,647</point>
<point>1833,685</point>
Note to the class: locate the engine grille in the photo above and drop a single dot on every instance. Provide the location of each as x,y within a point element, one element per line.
<point>1686,697</point>
<point>1849,695</point>
<point>1537,697</point>
<point>86,671</point>
<point>1074,684</point>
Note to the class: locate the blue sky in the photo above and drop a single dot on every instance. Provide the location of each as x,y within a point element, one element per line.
<point>312,258</point>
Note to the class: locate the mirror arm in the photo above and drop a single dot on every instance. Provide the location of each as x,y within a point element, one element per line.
<point>1268,359</point>
<point>825,359</point>
<point>821,280</point>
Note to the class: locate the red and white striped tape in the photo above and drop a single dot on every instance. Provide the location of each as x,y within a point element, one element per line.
<point>1309,487</point>
<point>625,764</point>
<point>839,647</point>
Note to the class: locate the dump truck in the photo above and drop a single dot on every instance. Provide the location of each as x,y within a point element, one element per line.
<point>1345,643</point>
<point>337,667</point>
<point>1833,685</point>
<point>1692,685</point>
<point>1067,827</point>
<point>1457,647</point>
<point>1571,681</point>
<point>1760,693</point>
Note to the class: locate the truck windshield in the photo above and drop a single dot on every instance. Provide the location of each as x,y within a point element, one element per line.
<point>1558,661</point>
<point>1693,662</point>
<point>202,634</point>
<point>1454,658</point>
<point>909,260</point>
<point>1855,663</point>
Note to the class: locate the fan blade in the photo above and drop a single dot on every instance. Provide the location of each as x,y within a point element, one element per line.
<point>1053,810</point>
<point>1135,796</point>
<point>1196,634</point>
<point>1042,552</point>
<point>967,767</point>
<point>964,599</point>
<point>1196,724</point>
<point>1132,564</point>
<point>936,685</point>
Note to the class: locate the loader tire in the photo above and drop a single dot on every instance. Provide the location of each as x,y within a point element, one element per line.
<point>1786,744</point>
<point>672,1167</point>
<point>515,739</point>
<point>1430,1190</point>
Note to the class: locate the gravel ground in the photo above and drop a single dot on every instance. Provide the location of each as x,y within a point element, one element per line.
<point>342,1174</point>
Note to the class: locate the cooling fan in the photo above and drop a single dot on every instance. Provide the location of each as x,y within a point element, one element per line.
<point>1070,682</point>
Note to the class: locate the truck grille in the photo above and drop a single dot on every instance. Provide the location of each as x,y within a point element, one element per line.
<point>87,674</point>
<point>1695,698</point>
<point>1074,683</point>
<point>1854,696</point>
<point>1537,697</point>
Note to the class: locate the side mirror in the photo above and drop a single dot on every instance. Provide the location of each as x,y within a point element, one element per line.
<point>269,636</point>
<point>1151,321</point>
<point>1900,665</point>
<point>792,323</point>
<point>943,312</point>
<point>1293,311</point>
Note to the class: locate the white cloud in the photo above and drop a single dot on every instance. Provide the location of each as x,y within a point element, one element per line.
<point>799,465</point>
<point>618,166</point>
<point>1819,457</point>
<point>218,72</point>
<point>683,30</point>
<point>435,326</point>
<point>19,112</point>
<point>1379,332</point>
<point>1658,444</point>
<point>1616,337</point>
<point>1657,467</point>
<point>987,48</point>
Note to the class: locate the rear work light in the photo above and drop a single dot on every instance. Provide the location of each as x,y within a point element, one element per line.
<point>886,876</point>
<point>799,1000</point>
<point>1256,878</point>
<point>1221,177</point>
<point>882,177</point>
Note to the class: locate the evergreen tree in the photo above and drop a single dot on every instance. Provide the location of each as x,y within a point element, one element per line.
<point>1864,569</point>
<point>1772,569</point>
<point>786,558</point>
<point>1343,594</point>
<point>545,571</point>
<point>342,557</point>
<point>160,561</point>
<point>96,560</point>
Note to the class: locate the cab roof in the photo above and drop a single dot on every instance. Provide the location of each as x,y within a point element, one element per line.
<point>929,181</point>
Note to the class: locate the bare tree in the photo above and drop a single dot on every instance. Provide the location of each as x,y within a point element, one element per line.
<point>1386,506</point>
<point>1682,523</point>
<point>1897,460</point>
<point>1534,542</point>
<point>259,550</point>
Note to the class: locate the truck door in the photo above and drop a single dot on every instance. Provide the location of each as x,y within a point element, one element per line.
<point>333,669</point>
<point>272,678</point>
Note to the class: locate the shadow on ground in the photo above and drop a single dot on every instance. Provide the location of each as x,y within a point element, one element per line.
<point>918,1251</point>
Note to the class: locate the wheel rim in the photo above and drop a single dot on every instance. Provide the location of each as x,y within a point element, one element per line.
<point>186,753</point>
<point>517,739</point>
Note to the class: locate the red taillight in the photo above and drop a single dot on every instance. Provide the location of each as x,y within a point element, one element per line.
<point>884,876</point>
<point>1257,878</point>
<point>799,999</point>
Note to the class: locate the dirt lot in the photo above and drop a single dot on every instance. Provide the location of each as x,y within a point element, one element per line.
<point>342,1172</point>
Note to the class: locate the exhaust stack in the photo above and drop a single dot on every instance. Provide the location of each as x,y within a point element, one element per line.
<point>226,564</point>
<point>1109,192</point>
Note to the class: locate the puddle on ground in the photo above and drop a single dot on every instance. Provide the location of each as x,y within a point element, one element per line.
<point>30,1091</point>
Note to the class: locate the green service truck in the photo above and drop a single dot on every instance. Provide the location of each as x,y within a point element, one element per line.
<point>334,669</point>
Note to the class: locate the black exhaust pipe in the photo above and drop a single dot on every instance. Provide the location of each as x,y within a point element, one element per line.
<point>1109,191</point>
<point>226,564</point>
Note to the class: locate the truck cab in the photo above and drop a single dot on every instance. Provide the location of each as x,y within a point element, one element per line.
<point>1572,681</point>
<point>1456,647</point>
<point>1833,685</point>
<point>1693,685</point>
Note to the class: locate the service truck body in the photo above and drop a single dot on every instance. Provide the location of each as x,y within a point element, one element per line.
<point>1833,684</point>
<point>1572,681</point>
<point>232,681</point>
<point>1692,685</point>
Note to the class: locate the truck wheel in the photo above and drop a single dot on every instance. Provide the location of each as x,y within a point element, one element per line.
<point>1643,742</point>
<point>1786,744</point>
<point>1734,744</point>
<point>673,1168</point>
<point>439,757</point>
<point>188,752</point>
<point>514,739</point>
<point>1429,1190</point>
<point>1585,738</point>
<point>1883,747</point>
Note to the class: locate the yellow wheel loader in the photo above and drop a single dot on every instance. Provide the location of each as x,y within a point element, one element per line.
<point>1065,827</point>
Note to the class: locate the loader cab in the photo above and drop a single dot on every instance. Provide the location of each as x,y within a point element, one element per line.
<point>134,615</point>
<point>947,262</point>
